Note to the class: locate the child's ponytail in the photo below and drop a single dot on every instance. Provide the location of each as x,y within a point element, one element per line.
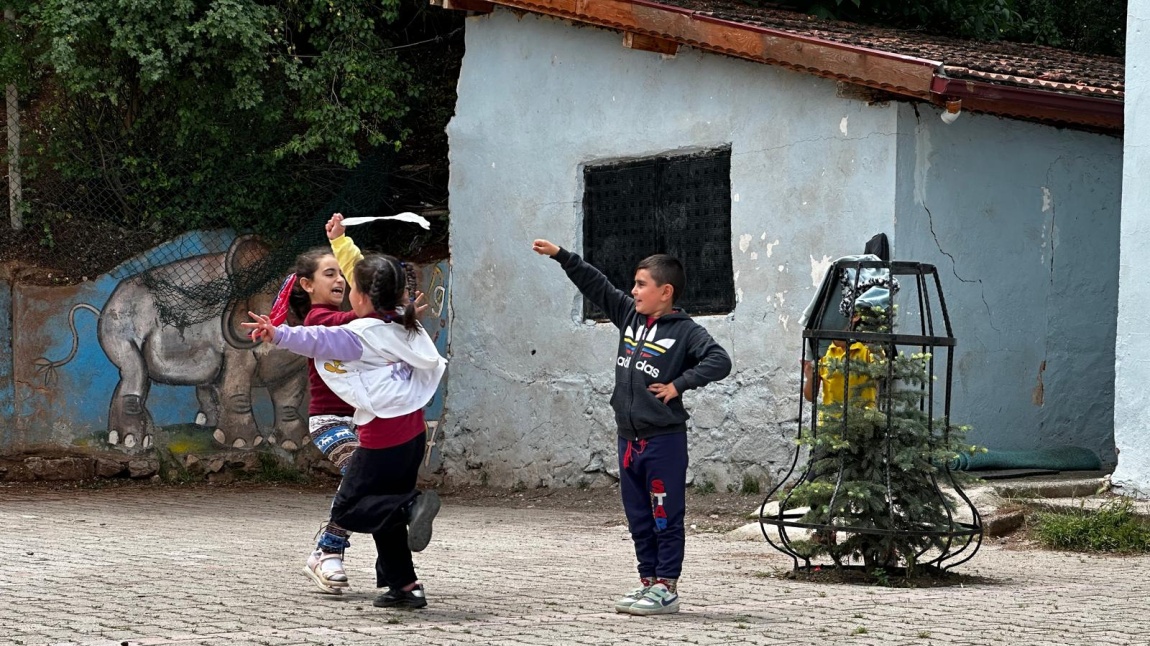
<point>384,280</point>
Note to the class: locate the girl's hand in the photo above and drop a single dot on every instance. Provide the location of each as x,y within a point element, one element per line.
<point>334,226</point>
<point>545,248</point>
<point>262,329</point>
<point>419,303</point>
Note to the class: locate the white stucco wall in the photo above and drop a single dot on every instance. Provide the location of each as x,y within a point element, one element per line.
<point>1022,221</point>
<point>812,178</point>
<point>1132,364</point>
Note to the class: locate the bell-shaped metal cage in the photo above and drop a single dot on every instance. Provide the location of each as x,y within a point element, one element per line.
<point>877,396</point>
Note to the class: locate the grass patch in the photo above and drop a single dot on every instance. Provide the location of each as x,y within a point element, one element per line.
<point>1113,527</point>
<point>707,487</point>
<point>273,470</point>
<point>750,485</point>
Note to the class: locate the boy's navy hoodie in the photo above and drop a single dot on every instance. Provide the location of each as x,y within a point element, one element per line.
<point>673,350</point>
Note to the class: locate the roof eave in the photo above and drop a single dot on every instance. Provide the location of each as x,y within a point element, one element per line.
<point>894,73</point>
<point>903,76</point>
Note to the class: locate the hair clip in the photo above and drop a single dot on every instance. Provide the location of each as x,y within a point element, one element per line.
<point>280,305</point>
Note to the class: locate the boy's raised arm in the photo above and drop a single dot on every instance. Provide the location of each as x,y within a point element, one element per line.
<point>590,281</point>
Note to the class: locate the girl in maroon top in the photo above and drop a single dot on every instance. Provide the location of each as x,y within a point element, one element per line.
<point>314,296</point>
<point>390,367</point>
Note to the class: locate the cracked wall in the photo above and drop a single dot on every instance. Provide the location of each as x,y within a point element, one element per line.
<point>1022,222</point>
<point>812,178</point>
<point>1132,401</point>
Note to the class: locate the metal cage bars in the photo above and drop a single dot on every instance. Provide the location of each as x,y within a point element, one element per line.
<point>957,542</point>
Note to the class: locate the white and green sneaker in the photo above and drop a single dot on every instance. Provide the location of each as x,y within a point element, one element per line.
<point>624,603</point>
<point>659,599</point>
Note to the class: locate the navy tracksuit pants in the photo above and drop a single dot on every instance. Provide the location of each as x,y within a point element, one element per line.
<point>652,481</point>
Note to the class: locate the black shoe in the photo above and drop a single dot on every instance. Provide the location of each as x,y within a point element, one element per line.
<point>412,599</point>
<point>419,520</point>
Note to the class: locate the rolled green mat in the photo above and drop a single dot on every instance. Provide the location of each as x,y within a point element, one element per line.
<point>1059,458</point>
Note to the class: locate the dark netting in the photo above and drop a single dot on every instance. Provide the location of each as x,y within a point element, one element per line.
<point>679,205</point>
<point>189,293</point>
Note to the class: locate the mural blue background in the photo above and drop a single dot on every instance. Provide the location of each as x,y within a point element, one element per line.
<point>73,409</point>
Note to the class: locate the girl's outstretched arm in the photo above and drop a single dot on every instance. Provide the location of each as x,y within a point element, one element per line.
<point>314,341</point>
<point>262,330</point>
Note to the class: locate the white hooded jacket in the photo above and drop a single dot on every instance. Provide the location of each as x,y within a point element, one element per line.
<point>380,368</point>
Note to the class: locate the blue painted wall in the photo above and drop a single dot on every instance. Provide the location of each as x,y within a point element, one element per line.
<point>72,409</point>
<point>47,399</point>
<point>1022,221</point>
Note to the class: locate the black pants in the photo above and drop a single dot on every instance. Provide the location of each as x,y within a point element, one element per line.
<point>373,499</point>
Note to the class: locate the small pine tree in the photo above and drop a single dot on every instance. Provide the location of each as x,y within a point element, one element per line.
<point>874,456</point>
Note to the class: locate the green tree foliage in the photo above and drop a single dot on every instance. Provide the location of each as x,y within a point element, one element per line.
<point>875,456</point>
<point>1091,26</point>
<point>192,113</point>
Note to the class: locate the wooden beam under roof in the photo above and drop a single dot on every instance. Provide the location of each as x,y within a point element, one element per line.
<point>631,40</point>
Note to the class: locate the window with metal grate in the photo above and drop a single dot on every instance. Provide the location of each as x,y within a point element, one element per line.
<point>679,205</point>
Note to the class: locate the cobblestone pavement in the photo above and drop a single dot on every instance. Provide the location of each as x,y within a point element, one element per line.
<point>164,566</point>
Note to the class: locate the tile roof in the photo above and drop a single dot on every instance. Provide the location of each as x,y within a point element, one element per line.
<point>1033,66</point>
<point>1008,79</point>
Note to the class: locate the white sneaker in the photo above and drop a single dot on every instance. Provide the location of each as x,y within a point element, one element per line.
<point>625,602</point>
<point>657,600</point>
<point>326,571</point>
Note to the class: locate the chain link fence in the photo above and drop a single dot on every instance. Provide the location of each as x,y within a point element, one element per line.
<point>101,192</point>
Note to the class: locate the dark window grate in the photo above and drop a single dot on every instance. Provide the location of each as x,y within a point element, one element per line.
<point>678,205</point>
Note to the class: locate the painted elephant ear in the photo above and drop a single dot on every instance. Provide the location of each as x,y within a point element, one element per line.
<point>243,261</point>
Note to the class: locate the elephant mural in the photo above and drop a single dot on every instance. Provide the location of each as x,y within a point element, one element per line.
<point>214,356</point>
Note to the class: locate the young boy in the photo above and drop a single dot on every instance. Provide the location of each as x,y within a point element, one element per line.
<point>662,353</point>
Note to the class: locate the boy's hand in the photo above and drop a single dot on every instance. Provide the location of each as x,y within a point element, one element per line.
<point>334,226</point>
<point>664,392</point>
<point>545,248</point>
<point>262,329</point>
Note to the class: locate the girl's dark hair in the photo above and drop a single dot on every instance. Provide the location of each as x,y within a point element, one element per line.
<point>299,302</point>
<point>384,279</point>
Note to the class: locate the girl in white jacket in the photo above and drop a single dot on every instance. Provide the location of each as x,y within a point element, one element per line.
<point>387,367</point>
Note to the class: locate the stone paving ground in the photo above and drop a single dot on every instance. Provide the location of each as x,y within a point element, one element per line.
<point>143,566</point>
